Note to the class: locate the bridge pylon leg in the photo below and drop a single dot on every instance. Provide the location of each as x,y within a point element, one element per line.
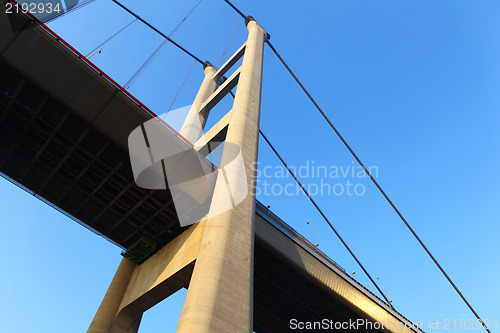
<point>112,299</point>
<point>220,293</point>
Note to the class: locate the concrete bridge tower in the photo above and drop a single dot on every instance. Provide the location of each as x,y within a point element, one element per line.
<point>213,258</point>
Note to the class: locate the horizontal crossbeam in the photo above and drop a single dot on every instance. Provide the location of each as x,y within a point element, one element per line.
<point>219,94</point>
<point>214,136</point>
<point>230,62</point>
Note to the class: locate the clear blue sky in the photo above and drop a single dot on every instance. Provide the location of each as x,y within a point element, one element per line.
<point>413,86</point>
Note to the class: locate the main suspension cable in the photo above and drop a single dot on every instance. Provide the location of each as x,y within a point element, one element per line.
<point>324,217</point>
<point>369,174</point>
<point>384,194</point>
<point>158,49</point>
<point>150,59</point>
<point>236,9</point>
<point>160,33</point>
<point>322,214</point>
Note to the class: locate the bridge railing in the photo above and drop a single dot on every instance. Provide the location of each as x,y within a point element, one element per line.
<point>295,235</point>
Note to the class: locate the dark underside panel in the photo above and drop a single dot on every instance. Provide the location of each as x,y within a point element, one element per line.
<point>63,159</point>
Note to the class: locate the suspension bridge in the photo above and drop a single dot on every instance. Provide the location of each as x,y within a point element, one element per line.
<point>245,269</point>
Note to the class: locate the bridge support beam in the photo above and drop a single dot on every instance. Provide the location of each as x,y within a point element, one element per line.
<point>111,302</point>
<point>220,294</point>
<point>136,288</point>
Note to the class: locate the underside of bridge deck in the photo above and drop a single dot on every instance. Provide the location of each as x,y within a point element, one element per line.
<point>60,157</point>
<point>281,294</point>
